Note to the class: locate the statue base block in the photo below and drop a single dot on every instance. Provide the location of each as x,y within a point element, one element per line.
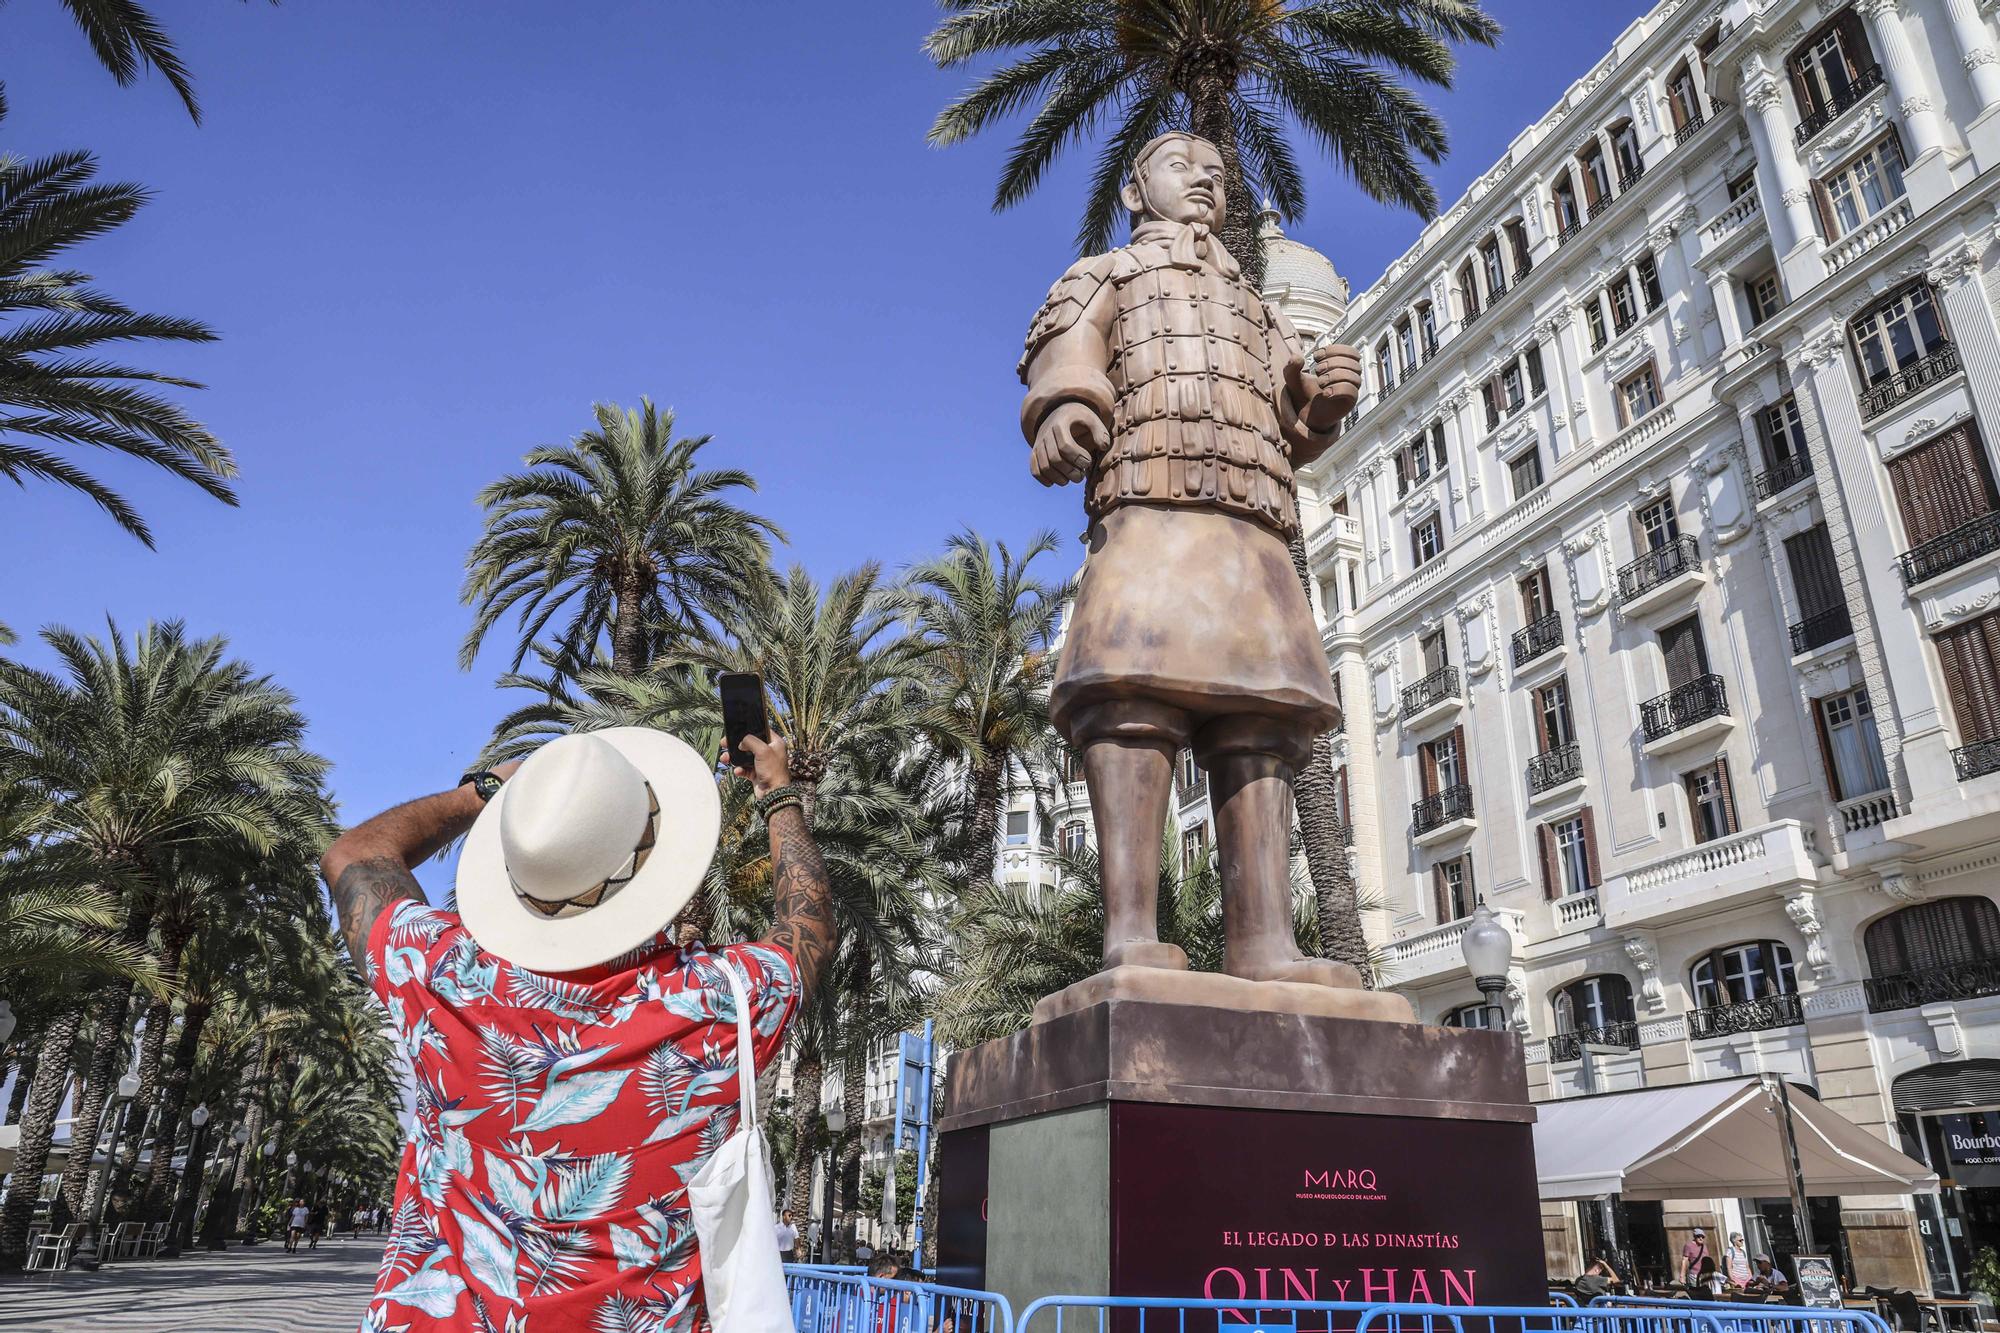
<point>1129,1147</point>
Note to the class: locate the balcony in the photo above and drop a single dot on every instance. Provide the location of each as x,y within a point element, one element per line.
<point>1690,129</point>
<point>1524,264</point>
<point>1434,953</point>
<point>1539,636</point>
<point>1555,768</point>
<point>1865,82</point>
<point>1471,314</point>
<point>1499,289</point>
<point>1976,760</point>
<point>1750,866</point>
<point>1658,578</point>
<point>1569,230</point>
<point>1576,911</point>
<point>1941,364</point>
<point>1685,714</point>
<point>1445,815</point>
<point>1817,631</point>
<point>1890,220</point>
<point>1435,694</point>
<point>1962,545</point>
<point>1628,178</point>
<point>1933,985</point>
<point>1758,1015</point>
<point>1783,475</point>
<point>1194,792</point>
<point>1565,1047</point>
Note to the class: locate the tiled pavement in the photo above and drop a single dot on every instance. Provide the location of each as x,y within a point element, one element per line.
<point>254,1289</point>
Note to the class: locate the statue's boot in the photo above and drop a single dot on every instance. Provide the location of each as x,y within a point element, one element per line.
<point>1128,763</point>
<point>1251,760</point>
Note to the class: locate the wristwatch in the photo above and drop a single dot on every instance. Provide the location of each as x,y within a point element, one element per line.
<point>484,782</point>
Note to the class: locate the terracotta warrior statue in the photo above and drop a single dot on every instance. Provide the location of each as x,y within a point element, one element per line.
<point>1160,379</point>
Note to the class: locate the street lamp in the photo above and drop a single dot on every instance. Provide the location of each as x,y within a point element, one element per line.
<point>189,1186</point>
<point>221,1207</point>
<point>1489,949</point>
<point>836,1122</point>
<point>88,1253</point>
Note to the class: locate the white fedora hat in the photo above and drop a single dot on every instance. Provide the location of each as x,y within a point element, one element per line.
<point>590,849</point>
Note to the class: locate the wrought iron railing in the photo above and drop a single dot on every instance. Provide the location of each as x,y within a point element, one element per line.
<point>1567,1046</point>
<point>1865,82</point>
<point>1964,543</point>
<point>1430,348</point>
<point>1499,290</point>
<point>1823,628</point>
<point>1471,314</point>
<point>1524,264</point>
<point>1194,791</point>
<point>1630,177</point>
<point>1440,685</point>
<point>1784,474</point>
<point>1687,131</point>
<point>1933,985</point>
<point>1941,363</point>
<point>1976,760</point>
<point>1434,811</point>
<point>1563,234</point>
<point>1552,768</point>
<point>1758,1015</point>
<point>1538,637</point>
<point>1683,706</point>
<point>1657,566</point>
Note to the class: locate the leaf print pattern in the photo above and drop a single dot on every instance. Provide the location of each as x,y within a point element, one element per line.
<point>543,1183</point>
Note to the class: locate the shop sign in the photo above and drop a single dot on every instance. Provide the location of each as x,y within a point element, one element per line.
<point>1817,1284</point>
<point>1971,1148</point>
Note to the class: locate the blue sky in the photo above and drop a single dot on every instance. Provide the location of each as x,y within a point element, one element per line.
<point>431,235</point>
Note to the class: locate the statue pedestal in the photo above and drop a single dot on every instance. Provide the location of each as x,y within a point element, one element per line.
<point>1134,1147</point>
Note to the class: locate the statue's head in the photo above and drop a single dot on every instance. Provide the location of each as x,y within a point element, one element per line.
<point>1177,177</point>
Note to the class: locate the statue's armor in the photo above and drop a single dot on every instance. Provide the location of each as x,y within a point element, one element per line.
<point>1193,373</point>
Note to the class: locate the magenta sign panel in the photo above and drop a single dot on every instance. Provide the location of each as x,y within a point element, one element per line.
<point>1227,1204</point>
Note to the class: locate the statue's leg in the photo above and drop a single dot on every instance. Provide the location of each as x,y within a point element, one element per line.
<point>1128,750</point>
<point>1251,760</point>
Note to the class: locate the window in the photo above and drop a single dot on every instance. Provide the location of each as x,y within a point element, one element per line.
<point>1825,66</point>
<point>1684,652</point>
<point>1862,188</point>
<point>1417,460</point>
<point>1554,728</point>
<point>1711,808</point>
<point>1513,387</point>
<point>1569,855</point>
<point>1942,484</point>
<point>1017,828</point>
<point>1681,101</point>
<point>1194,845</point>
<point>1532,359</point>
<point>1526,472</point>
<point>1624,307</point>
<point>1191,774</point>
<point>1593,315</point>
<point>1626,145</point>
<point>1638,395</point>
<point>1451,885</point>
<point>1568,216</point>
<point>1816,579</point>
<point>1427,322</point>
<point>1517,242</point>
<point>1742,973</point>
<point>1431,648</point>
<point>1489,260</point>
<point>1945,932</point>
<point>1765,296</point>
<point>1658,524</point>
<point>1780,433</point>
<point>1536,599</point>
<point>1649,281</point>
<point>1593,1004</point>
<point>1489,397</point>
<point>1742,185</point>
<point>1853,751</point>
<point>1385,370</point>
<point>1898,333</point>
<point>1468,291</point>
<point>1406,343</point>
<point>1072,838</point>
<point>1596,183</point>
<point>1427,540</point>
<point>1471,1016</point>
<point>1442,762</point>
<point>1968,654</point>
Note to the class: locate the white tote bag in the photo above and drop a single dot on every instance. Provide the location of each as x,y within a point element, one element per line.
<point>730,1198</point>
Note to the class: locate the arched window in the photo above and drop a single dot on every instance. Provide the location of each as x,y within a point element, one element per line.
<point>1471,1016</point>
<point>1742,973</point>
<point>1593,1004</point>
<point>1071,837</point>
<point>1948,949</point>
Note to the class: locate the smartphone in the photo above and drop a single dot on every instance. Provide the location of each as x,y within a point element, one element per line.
<point>742,713</point>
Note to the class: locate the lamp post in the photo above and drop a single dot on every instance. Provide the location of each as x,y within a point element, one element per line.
<point>89,1252</point>
<point>221,1202</point>
<point>1489,949</point>
<point>836,1121</point>
<point>189,1186</point>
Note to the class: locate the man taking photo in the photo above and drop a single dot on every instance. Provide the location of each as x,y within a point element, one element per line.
<point>574,1066</point>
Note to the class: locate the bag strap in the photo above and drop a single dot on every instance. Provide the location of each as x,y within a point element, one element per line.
<point>746,1046</point>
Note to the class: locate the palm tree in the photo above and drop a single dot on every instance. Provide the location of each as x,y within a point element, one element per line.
<point>621,531</point>
<point>1233,71</point>
<point>58,393</point>
<point>151,754</point>
<point>983,625</point>
<point>127,40</point>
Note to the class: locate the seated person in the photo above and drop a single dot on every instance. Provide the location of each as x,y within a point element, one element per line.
<point>1597,1280</point>
<point>1768,1278</point>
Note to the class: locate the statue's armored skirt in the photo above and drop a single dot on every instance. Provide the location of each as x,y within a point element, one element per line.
<point>1199,609</point>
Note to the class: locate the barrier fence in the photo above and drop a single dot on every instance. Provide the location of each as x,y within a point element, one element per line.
<point>1737,1317</point>
<point>849,1301</point>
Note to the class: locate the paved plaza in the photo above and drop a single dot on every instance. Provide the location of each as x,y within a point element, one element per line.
<point>257,1289</point>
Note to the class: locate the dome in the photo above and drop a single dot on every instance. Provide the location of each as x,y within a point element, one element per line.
<point>1288,264</point>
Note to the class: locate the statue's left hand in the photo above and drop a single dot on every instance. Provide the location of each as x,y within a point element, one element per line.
<point>1328,394</point>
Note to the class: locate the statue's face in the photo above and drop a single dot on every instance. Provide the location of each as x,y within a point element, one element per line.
<point>1181,182</point>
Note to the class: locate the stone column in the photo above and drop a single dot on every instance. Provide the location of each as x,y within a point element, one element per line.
<point>1371,516</point>
<point>1464,464</point>
<point>1726,308</point>
<point>1565,389</point>
<point>1789,213</point>
<point>1956,275</point>
<point>1982,69</point>
<point>1927,178</point>
<point>1675,285</point>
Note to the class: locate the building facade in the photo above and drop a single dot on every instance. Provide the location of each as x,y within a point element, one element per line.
<point>1660,571</point>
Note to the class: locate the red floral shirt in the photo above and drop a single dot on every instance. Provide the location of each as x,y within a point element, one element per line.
<point>558,1120</point>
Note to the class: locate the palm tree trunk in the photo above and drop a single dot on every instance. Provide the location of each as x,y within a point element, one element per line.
<point>628,625</point>
<point>159,1017</point>
<point>808,1078</point>
<point>251,1157</point>
<point>982,820</point>
<point>24,1074</point>
<point>38,1127</point>
<point>112,1019</point>
<point>854,1074</point>
<point>173,1097</point>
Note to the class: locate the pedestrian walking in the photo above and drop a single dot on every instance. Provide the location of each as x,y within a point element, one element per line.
<point>295,1225</point>
<point>788,1237</point>
<point>1692,1254</point>
<point>315,1224</point>
<point>564,1047</point>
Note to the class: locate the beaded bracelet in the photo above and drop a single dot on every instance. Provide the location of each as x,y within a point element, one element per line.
<point>777,799</point>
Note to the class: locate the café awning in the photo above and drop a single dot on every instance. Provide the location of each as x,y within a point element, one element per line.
<point>1721,1139</point>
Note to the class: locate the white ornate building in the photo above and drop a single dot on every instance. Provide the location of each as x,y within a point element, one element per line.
<point>1661,574</point>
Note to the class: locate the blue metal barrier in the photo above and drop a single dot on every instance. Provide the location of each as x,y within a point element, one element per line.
<point>1094,1314</point>
<point>846,1301</point>
<point>1678,1317</point>
<point>1743,1317</point>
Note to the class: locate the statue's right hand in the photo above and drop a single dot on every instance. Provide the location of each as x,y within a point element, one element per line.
<point>1070,439</point>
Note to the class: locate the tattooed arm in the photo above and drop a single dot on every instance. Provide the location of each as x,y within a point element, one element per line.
<point>368,867</point>
<point>802,912</point>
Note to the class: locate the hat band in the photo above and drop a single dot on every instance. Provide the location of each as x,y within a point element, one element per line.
<point>605,889</point>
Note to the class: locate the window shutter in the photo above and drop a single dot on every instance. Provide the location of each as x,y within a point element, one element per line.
<point>1829,224</point>
<point>1545,838</point>
<point>1542,720</point>
<point>1810,554</point>
<point>1346,810</point>
<point>1942,485</point>
<point>1967,653</point>
<point>1438,895</point>
<point>1590,847</point>
<point>1427,762</point>
<point>1471,889</point>
<point>1464,759</point>
<point>1826,749</point>
<point>1730,821</point>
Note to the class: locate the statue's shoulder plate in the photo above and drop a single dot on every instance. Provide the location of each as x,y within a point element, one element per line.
<point>1068,299</point>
